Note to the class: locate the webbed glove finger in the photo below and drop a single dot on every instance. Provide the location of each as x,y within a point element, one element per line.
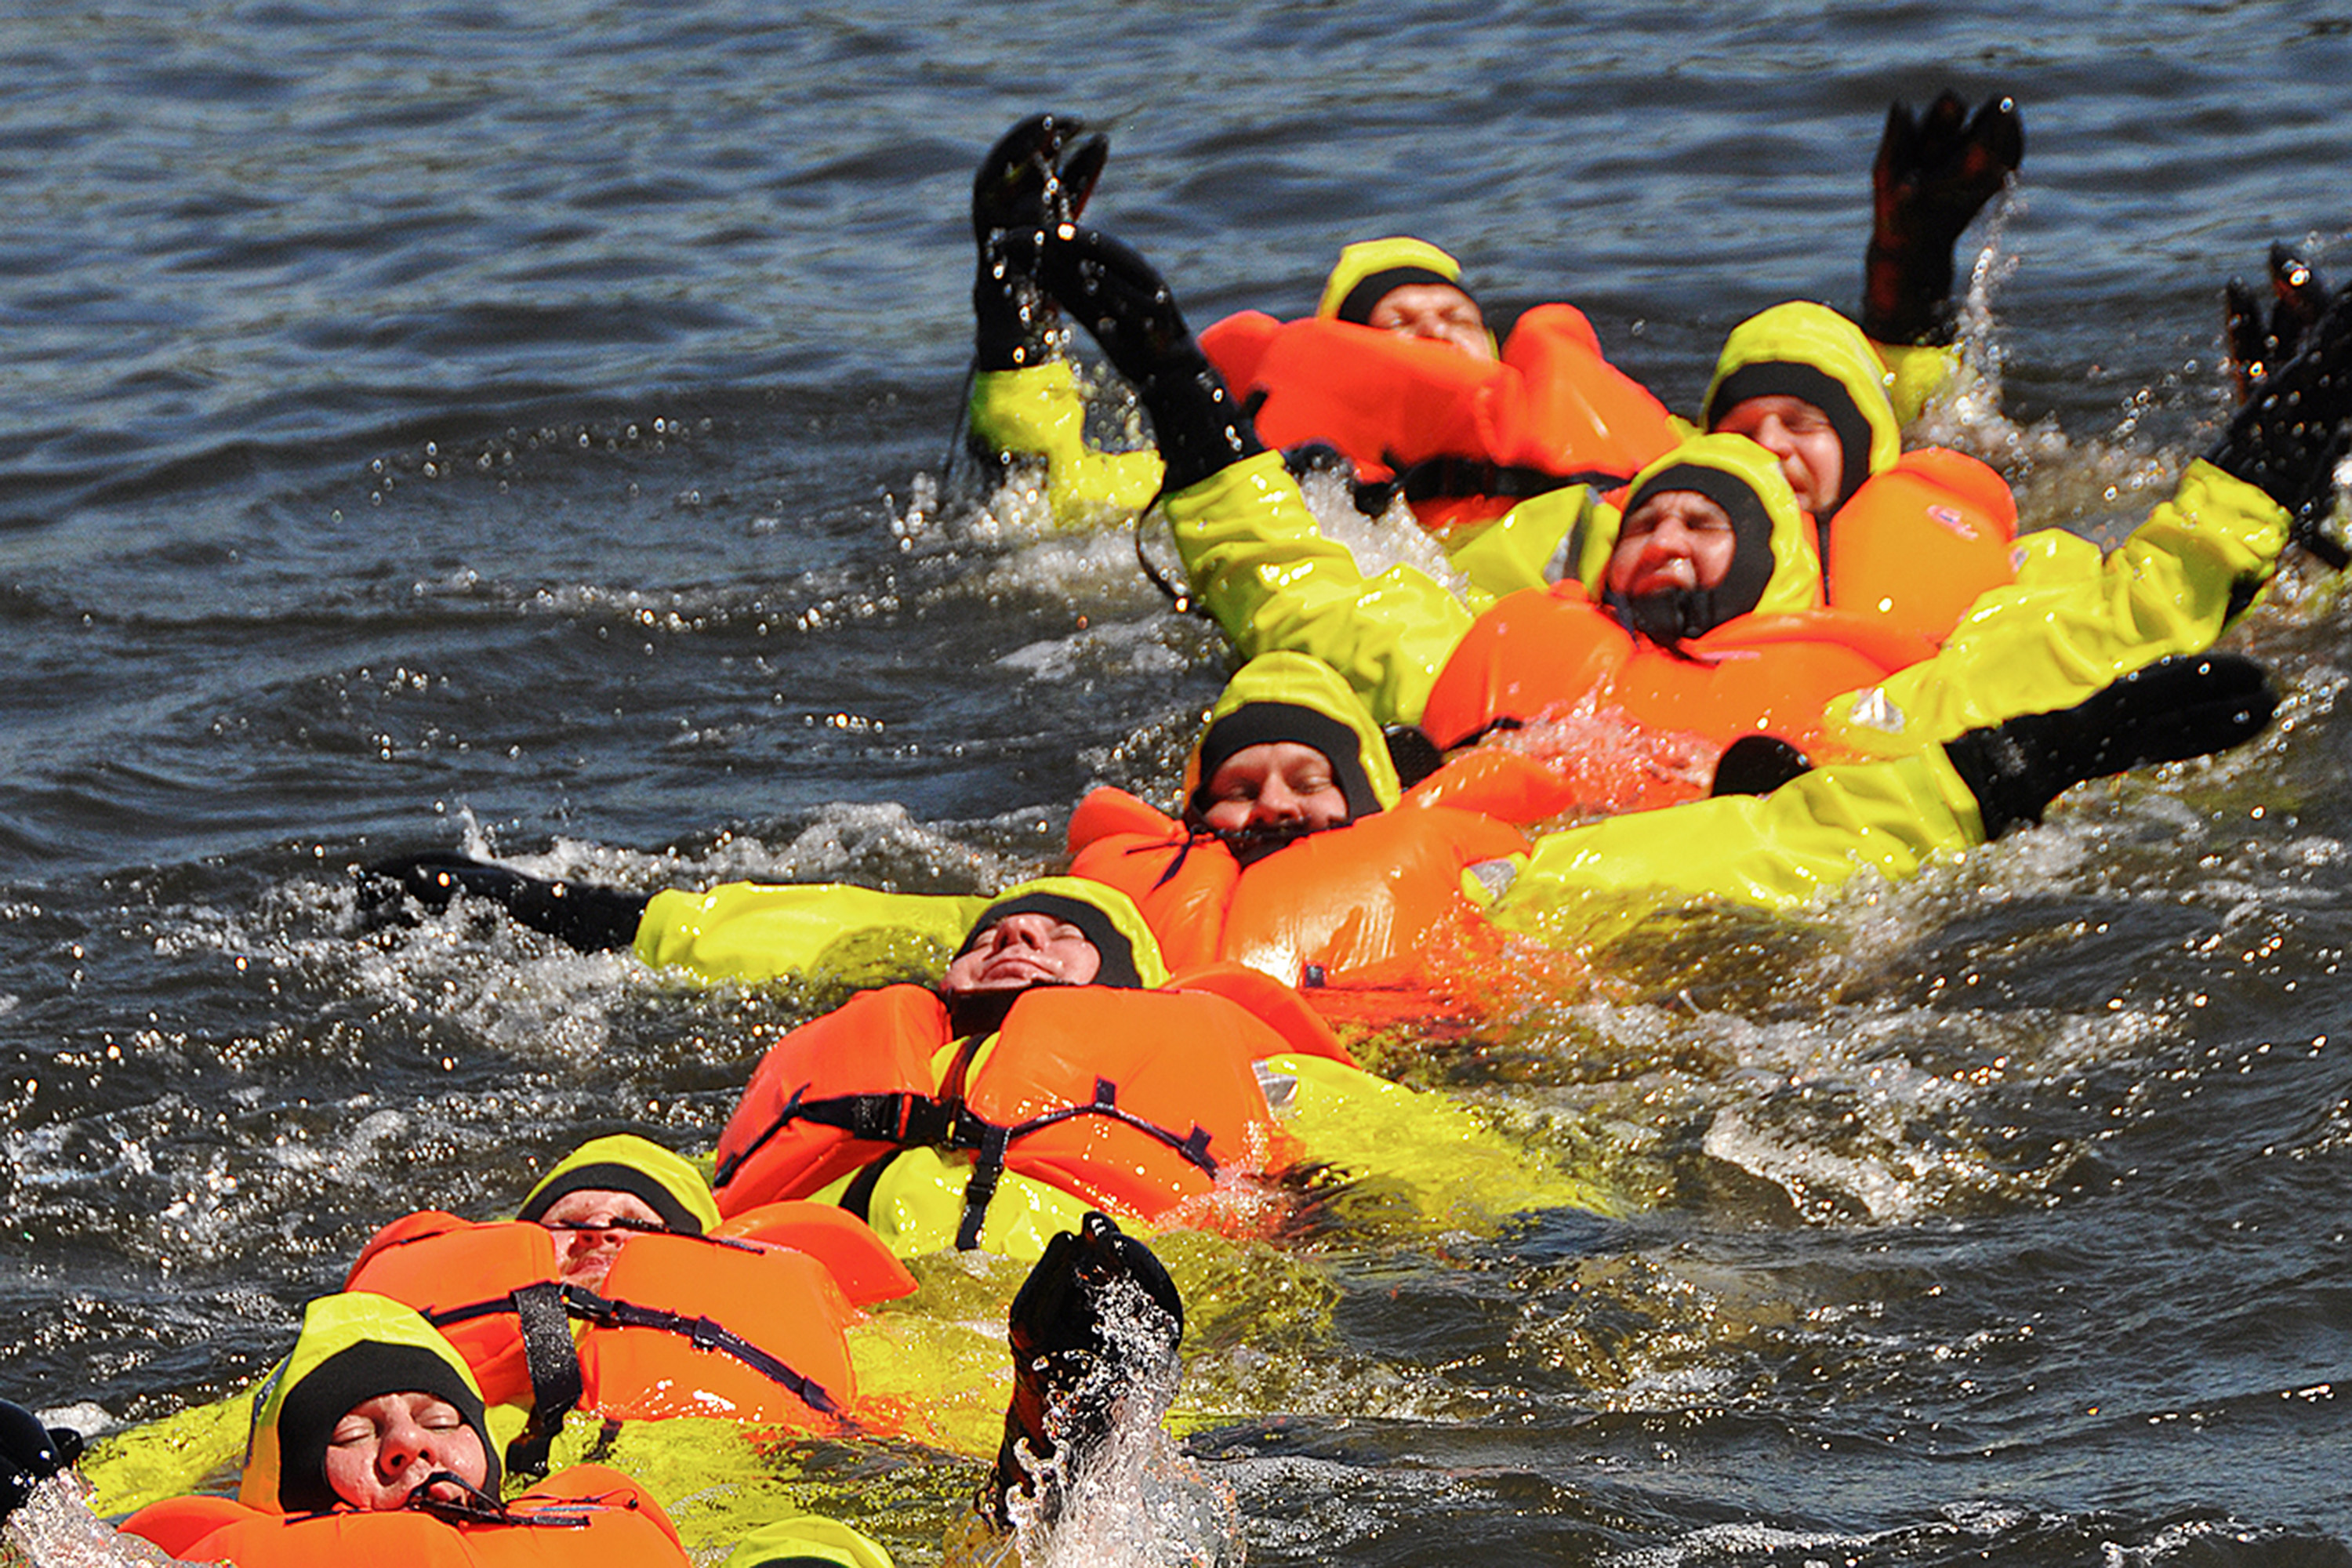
<point>1931,178</point>
<point>2262,339</point>
<point>1036,177</point>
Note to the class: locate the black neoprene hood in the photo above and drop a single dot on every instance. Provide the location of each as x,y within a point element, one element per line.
<point>1110,945</point>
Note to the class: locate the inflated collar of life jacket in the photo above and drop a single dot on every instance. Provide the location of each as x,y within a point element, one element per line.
<point>1118,965</point>
<point>1678,615</point>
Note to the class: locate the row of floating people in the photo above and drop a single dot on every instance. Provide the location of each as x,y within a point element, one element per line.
<point>1748,661</point>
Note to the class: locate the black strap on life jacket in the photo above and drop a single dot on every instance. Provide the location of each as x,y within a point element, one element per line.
<point>901,1117</point>
<point>996,1143</point>
<point>554,1359</point>
<point>703,1333</point>
<point>917,1121</point>
<point>475,1506</point>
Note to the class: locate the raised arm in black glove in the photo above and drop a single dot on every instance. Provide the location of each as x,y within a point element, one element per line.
<point>1933,174</point>
<point>1071,1361</point>
<point>1118,298</point>
<point>590,917</point>
<point>2293,366</point>
<point>1037,177</point>
<point>30,1454</point>
<point>2179,708</point>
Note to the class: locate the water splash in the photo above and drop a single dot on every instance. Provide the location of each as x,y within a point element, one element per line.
<point>1135,1500</point>
<point>55,1528</point>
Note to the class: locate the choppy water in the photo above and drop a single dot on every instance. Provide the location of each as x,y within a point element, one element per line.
<point>525,425</point>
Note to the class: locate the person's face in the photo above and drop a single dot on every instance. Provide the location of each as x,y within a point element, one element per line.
<point>1437,312</point>
<point>383,1448</point>
<point>1813,460</point>
<point>1677,539</point>
<point>1274,783</point>
<point>1023,950</point>
<point>590,1226</point>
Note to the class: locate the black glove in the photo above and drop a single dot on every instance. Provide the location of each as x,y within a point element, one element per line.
<point>2263,346</point>
<point>30,1454</point>
<point>590,917</point>
<point>1132,314</point>
<point>2174,709</point>
<point>2292,367</point>
<point>1067,1372</point>
<point>1036,177</point>
<point>1933,174</point>
<point>1756,764</point>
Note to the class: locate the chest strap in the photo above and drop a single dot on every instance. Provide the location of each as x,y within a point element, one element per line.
<point>902,1118</point>
<point>545,1311</point>
<point>996,1143</point>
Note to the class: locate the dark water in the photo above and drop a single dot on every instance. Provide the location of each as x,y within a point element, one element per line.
<point>526,427</point>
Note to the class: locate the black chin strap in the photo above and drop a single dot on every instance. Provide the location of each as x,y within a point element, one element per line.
<point>472,1505</point>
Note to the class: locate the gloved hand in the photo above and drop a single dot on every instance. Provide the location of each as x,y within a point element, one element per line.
<point>1036,177</point>
<point>30,1454</point>
<point>2292,367</point>
<point>1756,764</point>
<point>1067,1371</point>
<point>587,917</point>
<point>1120,298</point>
<point>2289,434</point>
<point>2174,709</point>
<point>1934,173</point>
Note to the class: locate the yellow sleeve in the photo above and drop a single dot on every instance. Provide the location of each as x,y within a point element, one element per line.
<point>2048,641</point>
<point>1038,411</point>
<point>1274,581</point>
<point>1527,547</point>
<point>753,932</point>
<point>1915,372</point>
<point>1455,1169</point>
<point>1587,885</point>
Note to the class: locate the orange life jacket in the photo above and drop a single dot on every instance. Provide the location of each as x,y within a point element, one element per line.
<point>1920,539</point>
<point>1371,902</point>
<point>683,1325</point>
<point>1466,439</point>
<point>588,1517</point>
<point>1544,652</point>
<point>1133,1101</point>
